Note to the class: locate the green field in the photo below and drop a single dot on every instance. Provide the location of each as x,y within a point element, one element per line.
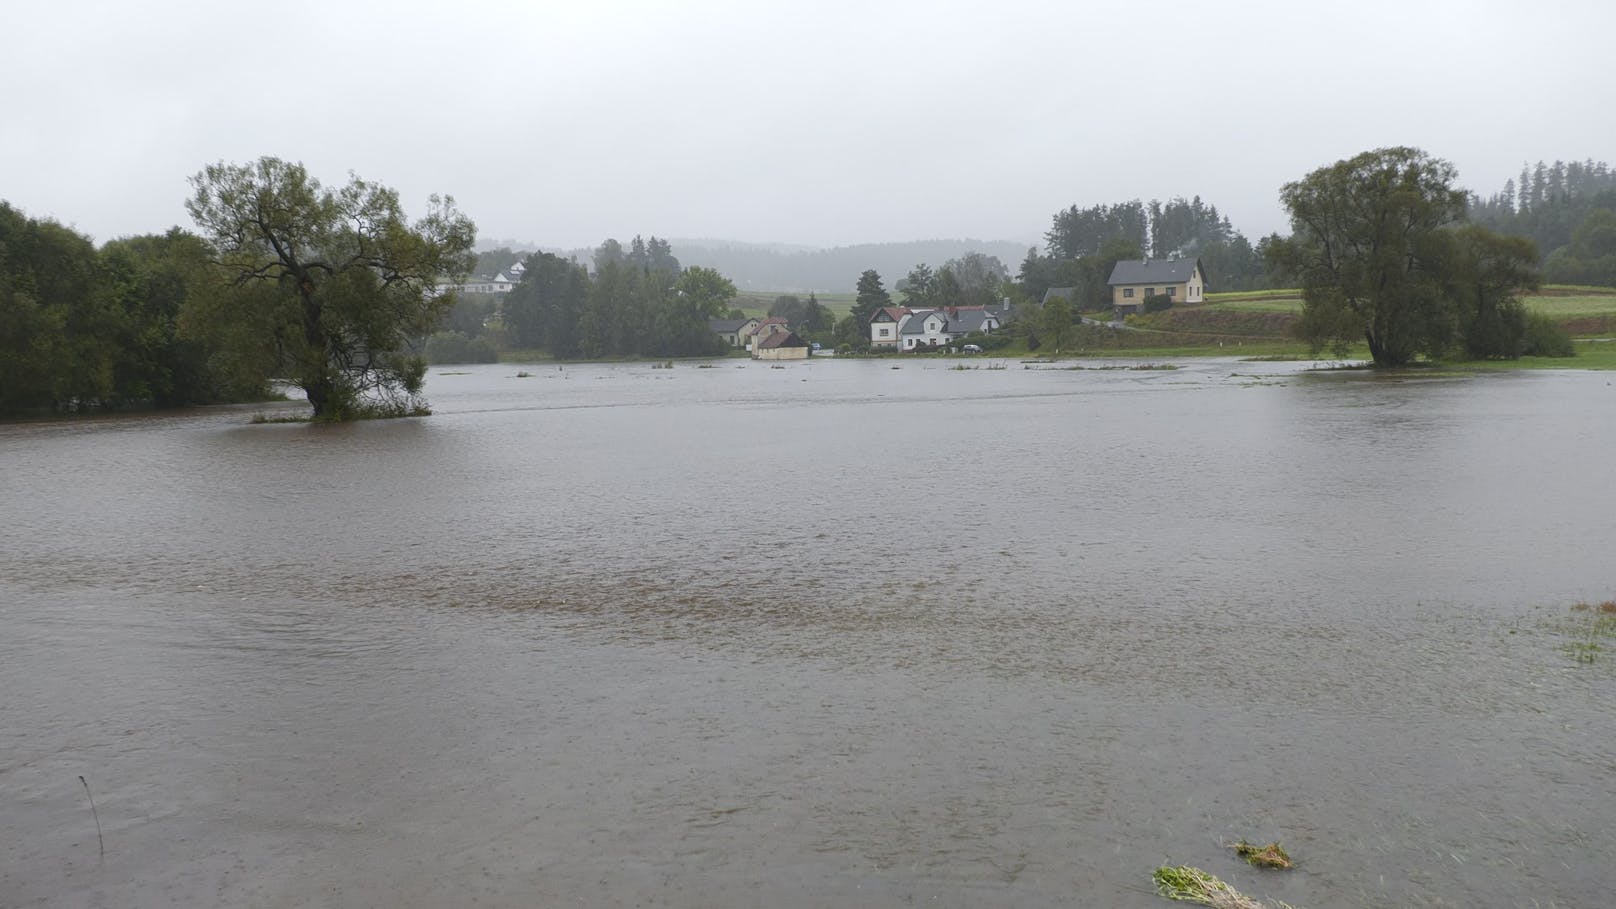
<point>1585,311</point>
<point>757,302</point>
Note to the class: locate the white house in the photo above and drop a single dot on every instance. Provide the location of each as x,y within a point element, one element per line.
<point>928,329</point>
<point>884,327</point>
<point>924,330</point>
<point>498,284</point>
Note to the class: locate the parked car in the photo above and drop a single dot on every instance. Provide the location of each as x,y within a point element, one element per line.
<point>972,348</point>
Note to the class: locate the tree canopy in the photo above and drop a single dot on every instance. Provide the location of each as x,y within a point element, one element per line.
<point>85,328</point>
<point>638,302</point>
<point>1381,254</point>
<point>1365,248</point>
<point>334,283</point>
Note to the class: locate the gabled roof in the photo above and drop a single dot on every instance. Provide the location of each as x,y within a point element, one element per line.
<point>1069,294</point>
<point>728,325</point>
<point>774,320</point>
<point>783,339</point>
<point>1154,271</point>
<point>916,323</point>
<point>969,320</point>
<point>892,313</point>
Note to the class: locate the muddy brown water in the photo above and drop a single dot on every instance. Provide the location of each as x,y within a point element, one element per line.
<point>833,634</point>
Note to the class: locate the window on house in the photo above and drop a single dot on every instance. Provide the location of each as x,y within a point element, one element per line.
<point>1172,291</point>
<point>884,333</point>
<point>1127,292</point>
<point>1150,291</point>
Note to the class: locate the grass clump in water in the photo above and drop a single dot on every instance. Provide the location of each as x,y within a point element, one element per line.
<point>1272,855</point>
<point>1600,623</point>
<point>1192,885</point>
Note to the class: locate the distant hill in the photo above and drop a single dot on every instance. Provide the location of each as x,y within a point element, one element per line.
<point>754,266</point>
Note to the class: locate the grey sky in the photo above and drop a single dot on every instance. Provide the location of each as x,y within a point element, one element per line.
<point>824,123</point>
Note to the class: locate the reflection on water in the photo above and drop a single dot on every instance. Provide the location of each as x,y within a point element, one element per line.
<point>837,633</point>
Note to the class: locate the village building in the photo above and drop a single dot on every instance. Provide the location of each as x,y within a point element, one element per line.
<point>1069,294</point>
<point>779,345</point>
<point>500,283</point>
<point>1179,280</point>
<point>884,327</point>
<point>770,326</point>
<point>902,328</point>
<point>735,332</point>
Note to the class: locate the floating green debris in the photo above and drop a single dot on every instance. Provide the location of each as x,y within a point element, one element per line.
<point>1272,855</point>
<point>1192,885</point>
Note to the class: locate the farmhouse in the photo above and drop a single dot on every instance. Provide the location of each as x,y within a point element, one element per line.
<point>735,332</point>
<point>1180,280</point>
<point>780,345</point>
<point>770,326</point>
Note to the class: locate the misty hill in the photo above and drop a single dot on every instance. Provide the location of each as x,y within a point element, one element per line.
<point>754,266</point>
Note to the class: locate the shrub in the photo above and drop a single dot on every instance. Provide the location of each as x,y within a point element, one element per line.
<point>455,347</point>
<point>1158,302</point>
<point>985,341</point>
<point>1545,338</point>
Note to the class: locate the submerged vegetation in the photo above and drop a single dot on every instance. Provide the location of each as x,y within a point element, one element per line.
<point>1192,885</point>
<point>1590,625</point>
<point>1272,855</point>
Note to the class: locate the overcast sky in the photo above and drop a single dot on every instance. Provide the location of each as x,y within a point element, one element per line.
<point>819,122</point>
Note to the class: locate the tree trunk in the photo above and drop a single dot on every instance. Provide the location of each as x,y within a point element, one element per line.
<point>317,382</point>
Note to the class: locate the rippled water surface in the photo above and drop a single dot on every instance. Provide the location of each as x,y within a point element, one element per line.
<point>838,634</point>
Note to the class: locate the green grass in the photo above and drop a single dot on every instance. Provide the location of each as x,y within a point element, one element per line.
<point>1285,304</point>
<point>1570,306</point>
<point>1589,626</point>
<point>756,303</point>
<point>1590,355</point>
<point>1192,885</point>
<point>1558,301</point>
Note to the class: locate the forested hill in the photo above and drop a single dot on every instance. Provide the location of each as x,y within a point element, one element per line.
<point>835,270</point>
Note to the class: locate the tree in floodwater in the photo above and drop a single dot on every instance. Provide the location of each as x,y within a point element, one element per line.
<point>1057,323</point>
<point>334,283</point>
<point>1368,249</point>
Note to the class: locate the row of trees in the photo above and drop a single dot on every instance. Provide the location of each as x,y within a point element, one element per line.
<point>1568,210</point>
<point>81,326</point>
<point>637,302</point>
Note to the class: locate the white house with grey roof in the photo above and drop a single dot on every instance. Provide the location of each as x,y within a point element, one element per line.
<point>926,329</point>
<point>1180,280</point>
<point>903,328</point>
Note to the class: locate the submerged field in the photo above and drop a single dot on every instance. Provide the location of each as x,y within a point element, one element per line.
<point>550,646</point>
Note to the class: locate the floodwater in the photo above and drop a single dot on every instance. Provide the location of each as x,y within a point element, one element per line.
<point>845,633</point>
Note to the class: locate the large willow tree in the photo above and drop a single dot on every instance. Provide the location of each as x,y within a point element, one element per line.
<point>1369,248</point>
<point>330,286</point>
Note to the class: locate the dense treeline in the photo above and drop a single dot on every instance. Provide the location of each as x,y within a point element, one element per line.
<point>637,302</point>
<point>783,268</point>
<point>1568,210</point>
<point>83,327</point>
